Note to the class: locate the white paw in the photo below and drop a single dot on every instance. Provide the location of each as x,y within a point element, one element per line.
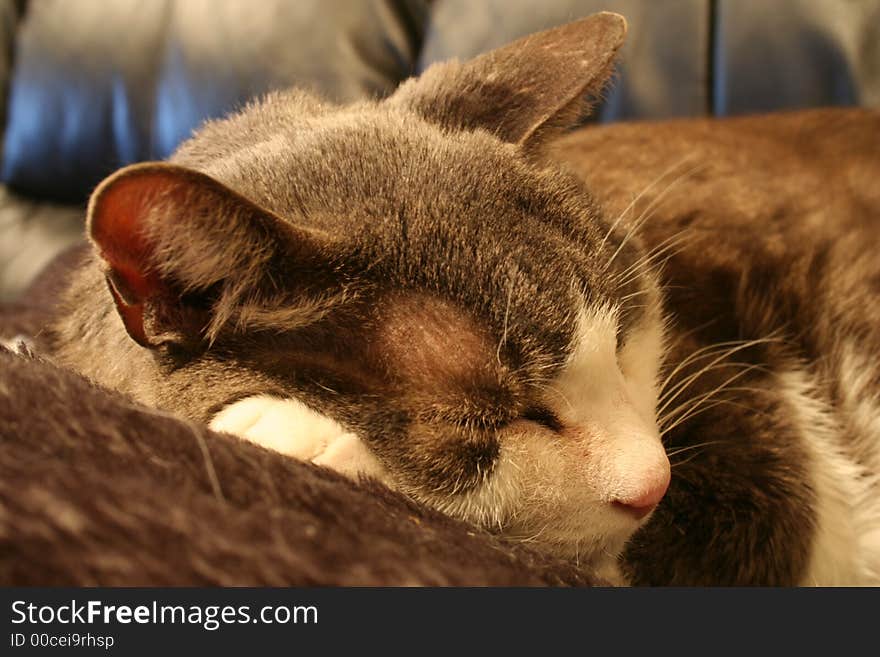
<point>292,428</point>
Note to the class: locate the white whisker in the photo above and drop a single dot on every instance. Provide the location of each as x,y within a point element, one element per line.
<point>707,352</point>
<point>692,378</point>
<point>678,239</point>
<point>638,196</point>
<point>690,447</point>
<point>646,213</point>
<point>506,318</point>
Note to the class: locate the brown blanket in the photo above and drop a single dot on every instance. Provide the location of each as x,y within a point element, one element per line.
<point>97,490</point>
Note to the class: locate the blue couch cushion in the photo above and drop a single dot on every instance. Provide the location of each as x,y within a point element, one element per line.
<point>696,57</point>
<point>99,84</point>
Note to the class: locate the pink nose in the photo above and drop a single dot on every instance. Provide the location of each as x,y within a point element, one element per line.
<point>642,501</point>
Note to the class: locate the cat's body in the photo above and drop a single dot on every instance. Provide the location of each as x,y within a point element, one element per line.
<point>413,290</point>
<point>781,215</point>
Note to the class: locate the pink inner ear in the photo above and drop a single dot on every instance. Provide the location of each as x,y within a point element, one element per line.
<point>116,219</point>
<point>116,226</point>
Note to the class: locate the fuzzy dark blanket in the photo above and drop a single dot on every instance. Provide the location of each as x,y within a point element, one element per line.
<point>98,490</point>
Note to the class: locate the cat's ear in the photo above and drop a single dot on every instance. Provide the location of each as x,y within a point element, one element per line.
<point>526,91</point>
<point>174,242</point>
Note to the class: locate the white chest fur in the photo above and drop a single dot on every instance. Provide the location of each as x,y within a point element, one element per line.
<point>846,546</point>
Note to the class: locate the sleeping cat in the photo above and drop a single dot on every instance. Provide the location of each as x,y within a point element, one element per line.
<point>523,328</point>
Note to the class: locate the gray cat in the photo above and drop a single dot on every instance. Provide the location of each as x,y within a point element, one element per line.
<point>521,328</point>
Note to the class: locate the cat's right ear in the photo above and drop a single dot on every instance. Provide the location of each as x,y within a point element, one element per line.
<point>179,247</point>
<point>525,92</point>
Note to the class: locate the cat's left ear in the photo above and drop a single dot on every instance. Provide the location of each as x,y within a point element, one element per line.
<point>525,92</point>
<point>181,251</point>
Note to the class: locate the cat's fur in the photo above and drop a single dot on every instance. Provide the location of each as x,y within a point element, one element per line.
<point>413,290</point>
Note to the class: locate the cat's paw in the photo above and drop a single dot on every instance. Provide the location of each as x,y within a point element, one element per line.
<point>292,428</point>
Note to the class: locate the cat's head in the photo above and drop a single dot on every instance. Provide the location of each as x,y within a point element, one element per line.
<point>414,269</point>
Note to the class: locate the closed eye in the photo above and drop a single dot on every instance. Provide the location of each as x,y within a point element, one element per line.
<point>543,416</point>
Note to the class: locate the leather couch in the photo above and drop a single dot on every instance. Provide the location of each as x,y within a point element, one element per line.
<point>91,85</point>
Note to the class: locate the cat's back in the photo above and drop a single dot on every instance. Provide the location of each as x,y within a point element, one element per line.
<point>813,168</point>
<point>783,204</point>
<point>776,216</point>
<point>775,219</point>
